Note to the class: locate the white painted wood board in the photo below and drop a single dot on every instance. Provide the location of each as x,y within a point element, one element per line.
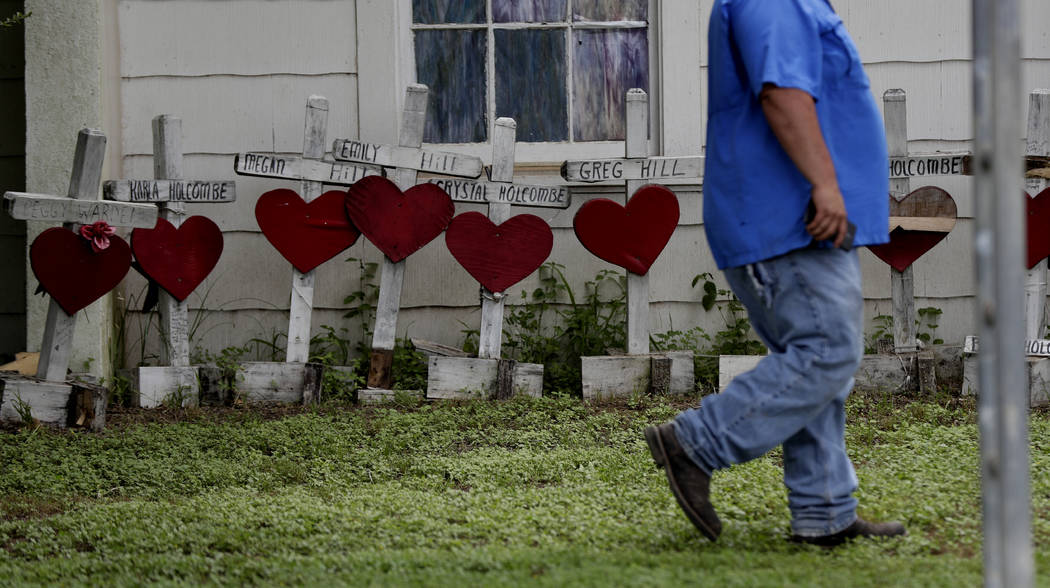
<point>617,376</point>
<point>50,209</point>
<point>48,401</point>
<point>462,378</point>
<point>490,338</point>
<point>731,366</point>
<point>636,145</point>
<point>167,166</point>
<point>266,113</point>
<point>1037,143</point>
<point>879,373</point>
<point>158,386</point>
<point>930,165</point>
<point>482,192</point>
<point>308,37</point>
<point>649,169</point>
<point>315,129</point>
<point>1032,347</point>
<point>392,277</point>
<point>271,165</point>
<point>1038,377</point>
<point>199,191</point>
<point>272,382</point>
<point>428,160</point>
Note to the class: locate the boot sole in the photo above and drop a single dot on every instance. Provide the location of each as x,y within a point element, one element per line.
<point>659,453</point>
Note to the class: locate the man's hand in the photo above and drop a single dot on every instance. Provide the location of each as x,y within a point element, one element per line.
<point>829,220</point>
<point>792,116</point>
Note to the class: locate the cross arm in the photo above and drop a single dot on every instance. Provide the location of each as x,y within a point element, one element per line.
<point>47,208</point>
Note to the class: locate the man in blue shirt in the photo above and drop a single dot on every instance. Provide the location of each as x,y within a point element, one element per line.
<point>792,126</point>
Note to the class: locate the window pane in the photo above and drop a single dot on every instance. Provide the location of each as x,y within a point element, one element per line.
<point>528,10</point>
<point>531,83</point>
<point>610,10</point>
<point>606,64</point>
<point>452,65</point>
<point>448,11</point>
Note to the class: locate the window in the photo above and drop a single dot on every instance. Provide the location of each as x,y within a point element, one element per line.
<point>559,68</point>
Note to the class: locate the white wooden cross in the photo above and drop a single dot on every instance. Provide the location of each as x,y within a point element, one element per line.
<point>902,282</point>
<point>637,169</point>
<point>903,167</point>
<point>501,193</point>
<point>407,159</point>
<point>170,192</point>
<point>451,376</point>
<point>313,172</point>
<point>1038,145</point>
<point>81,206</point>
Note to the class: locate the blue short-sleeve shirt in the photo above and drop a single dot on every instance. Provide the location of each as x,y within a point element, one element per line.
<point>755,198</point>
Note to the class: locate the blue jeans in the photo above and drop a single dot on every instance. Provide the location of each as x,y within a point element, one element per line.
<point>807,307</point>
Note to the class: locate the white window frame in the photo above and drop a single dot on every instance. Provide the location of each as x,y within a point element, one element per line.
<point>386,59</point>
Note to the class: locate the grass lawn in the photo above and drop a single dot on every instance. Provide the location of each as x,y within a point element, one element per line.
<point>526,492</point>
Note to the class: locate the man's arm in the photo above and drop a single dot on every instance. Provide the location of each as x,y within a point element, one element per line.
<point>792,115</point>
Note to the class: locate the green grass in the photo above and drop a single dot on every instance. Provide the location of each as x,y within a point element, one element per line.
<point>527,492</point>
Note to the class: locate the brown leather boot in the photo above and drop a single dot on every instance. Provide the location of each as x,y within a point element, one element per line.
<point>859,528</point>
<point>689,484</point>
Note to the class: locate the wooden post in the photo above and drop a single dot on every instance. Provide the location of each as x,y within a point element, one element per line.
<point>896,117</point>
<point>302,302</point>
<point>1037,144</point>
<point>167,165</point>
<point>492,303</point>
<point>637,286</point>
<point>57,346</point>
<point>393,277</point>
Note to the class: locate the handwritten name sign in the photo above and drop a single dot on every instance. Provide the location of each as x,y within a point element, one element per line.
<point>439,162</point>
<point>41,207</point>
<point>649,168</point>
<point>268,165</point>
<point>169,191</point>
<point>498,192</point>
<point>1032,347</point>
<point>933,164</point>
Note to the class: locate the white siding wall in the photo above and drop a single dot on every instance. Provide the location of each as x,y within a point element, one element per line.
<point>239,73</point>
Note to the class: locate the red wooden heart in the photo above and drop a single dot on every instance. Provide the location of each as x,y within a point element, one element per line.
<point>906,245</point>
<point>73,274</point>
<point>629,236</point>
<point>1038,209</point>
<point>178,259</point>
<point>499,256</point>
<point>307,235</point>
<point>399,224</point>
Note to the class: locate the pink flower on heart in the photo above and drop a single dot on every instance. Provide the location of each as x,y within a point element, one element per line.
<point>98,233</point>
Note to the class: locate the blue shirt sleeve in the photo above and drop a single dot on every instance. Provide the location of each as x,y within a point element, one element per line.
<point>779,43</point>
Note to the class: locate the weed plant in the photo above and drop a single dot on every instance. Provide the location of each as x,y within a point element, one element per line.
<point>553,327</point>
